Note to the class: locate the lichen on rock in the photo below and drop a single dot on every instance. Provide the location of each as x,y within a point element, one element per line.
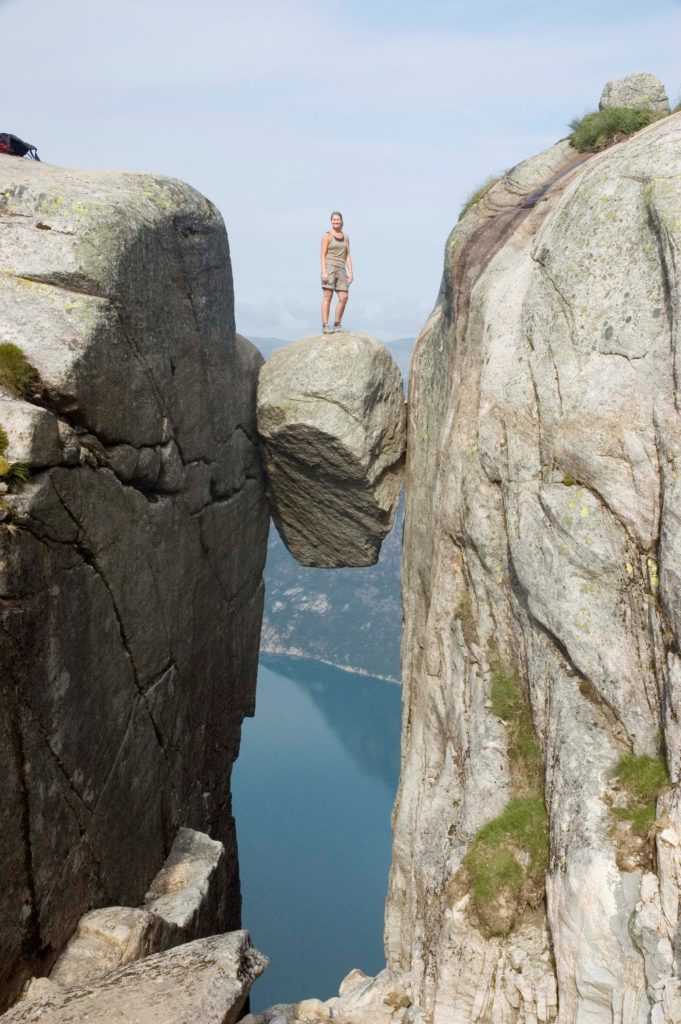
<point>641,91</point>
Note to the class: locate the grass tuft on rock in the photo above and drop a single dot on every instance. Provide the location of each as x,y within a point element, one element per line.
<point>642,779</point>
<point>14,474</point>
<point>477,194</point>
<point>507,862</point>
<point>601,128</point>
<point>18,474</point>
<point>16,373</point>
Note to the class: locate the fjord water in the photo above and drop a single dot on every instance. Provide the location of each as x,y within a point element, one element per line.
<point>313,790</point>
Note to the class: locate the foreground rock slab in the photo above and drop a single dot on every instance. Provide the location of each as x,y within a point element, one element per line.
<point>202,982</point>
<point>332,419</point>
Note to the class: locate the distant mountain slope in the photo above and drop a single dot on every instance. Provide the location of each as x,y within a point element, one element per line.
<point>347,617</point>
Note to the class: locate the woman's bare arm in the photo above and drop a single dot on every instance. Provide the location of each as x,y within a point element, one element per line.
<point>325,247</point>
<point>348,260</point>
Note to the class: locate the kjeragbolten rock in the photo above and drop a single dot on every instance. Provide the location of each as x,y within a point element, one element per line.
<point>332,420</point>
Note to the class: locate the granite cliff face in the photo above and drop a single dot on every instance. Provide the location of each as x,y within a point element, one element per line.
<point>537,847</point>
<point>131,560</point>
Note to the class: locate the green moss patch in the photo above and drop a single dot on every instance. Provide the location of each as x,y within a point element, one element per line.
<point>11,473</point>
<point>642,779</point>
<point>601,128</point>
<point>16,373</point>
<point>477,194</point>
<point>510,703</point>
<point>464,613</point>
<point>507,862</point>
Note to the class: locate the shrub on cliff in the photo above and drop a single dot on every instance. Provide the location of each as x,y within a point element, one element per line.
<point>477,194</point>
<point>601,128</point>
<point>16,373</point>
<point>641,780</point>
<point>12,474</point>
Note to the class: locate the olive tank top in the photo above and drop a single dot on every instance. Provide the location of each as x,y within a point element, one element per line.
<point>337,252</point>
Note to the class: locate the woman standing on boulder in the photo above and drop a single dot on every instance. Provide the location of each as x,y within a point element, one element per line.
<point>335,277</point>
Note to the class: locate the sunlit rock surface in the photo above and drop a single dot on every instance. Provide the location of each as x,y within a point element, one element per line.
<point>184,902</point>
<point>361,999</point>
<point>542,596</point>
<point>331,417</point>
<point>131,561</point>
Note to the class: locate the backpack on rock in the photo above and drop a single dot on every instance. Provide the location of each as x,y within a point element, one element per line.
<point>15,146</point>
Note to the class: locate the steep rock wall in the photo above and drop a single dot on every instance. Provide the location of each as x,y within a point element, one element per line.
<point>541,599</point>
<point>131,561</point>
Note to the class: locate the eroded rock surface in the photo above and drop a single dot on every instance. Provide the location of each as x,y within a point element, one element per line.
<point>640,91</point>
<point>361,999</point>
<point>331,416</point>
<point>201,982</point>
<point>541,585</point>
<point>130,563</point>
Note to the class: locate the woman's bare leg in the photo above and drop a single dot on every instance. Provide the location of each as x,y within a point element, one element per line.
<point>340,308</point>
<point>327,295</point>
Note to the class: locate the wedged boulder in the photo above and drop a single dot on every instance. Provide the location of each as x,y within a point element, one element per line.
<point>332,420</point>
<point>640,91</point>
<point>201,982</point>
<point>184,902</point>
<point>188,891</point>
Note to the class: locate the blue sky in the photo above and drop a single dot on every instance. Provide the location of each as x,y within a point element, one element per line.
<point>282,111</point>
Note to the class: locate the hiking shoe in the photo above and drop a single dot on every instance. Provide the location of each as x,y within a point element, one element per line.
<point>327,330</point>
<point>339,330</point>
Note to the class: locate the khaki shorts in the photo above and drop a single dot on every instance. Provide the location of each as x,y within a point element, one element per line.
<point>337,279</point>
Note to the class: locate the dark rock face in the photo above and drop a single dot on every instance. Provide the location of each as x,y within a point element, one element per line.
<point>130,567</point>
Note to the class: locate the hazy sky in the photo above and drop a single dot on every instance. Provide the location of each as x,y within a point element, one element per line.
<point>282,111</point>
